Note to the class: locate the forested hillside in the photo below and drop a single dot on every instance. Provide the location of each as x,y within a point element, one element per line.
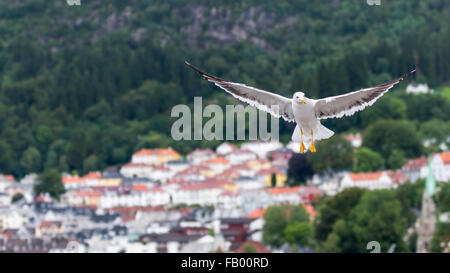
<point>82,87</point>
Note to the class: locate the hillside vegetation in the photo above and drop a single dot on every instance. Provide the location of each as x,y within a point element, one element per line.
<point>82,87</point>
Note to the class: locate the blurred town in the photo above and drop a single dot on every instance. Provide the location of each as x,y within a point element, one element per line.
<point>161,201</point>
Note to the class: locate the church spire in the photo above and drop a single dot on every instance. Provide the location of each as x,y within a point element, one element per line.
<point>430,183</point>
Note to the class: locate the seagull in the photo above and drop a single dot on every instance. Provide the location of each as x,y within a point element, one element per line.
<point>304,111</point>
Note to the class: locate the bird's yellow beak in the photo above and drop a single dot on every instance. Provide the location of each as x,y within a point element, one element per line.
<point>303,100</point>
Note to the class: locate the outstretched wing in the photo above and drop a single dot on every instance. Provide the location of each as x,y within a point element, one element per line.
<point>274,104</point>
<point>348,104</point>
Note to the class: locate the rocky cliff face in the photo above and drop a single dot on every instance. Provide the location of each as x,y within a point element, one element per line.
<point>223,25</point>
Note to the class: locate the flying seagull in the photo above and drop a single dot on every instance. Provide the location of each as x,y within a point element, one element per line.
<point>306,112</point>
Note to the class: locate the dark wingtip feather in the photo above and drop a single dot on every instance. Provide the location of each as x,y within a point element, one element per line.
<point>205,75</point>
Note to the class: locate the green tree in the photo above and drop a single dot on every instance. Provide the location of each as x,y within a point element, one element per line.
<point>278,218</point>
<point>248,248</point>
<point>91,163</point>
<point>385,136</point>
<point>442,198</point>
<point>6,157</point>
<point>49,182</point>
<point>331,244</point>
<point>299,170</point>
<point>334,154</point>
<point>435,129</point>
<point>333,209</point>
<point>378,217</point>
<point>298,214</point>
<point>441,238</point>
<point>273,180</point>
<point>298,233</point>
<point>274,224</point>
<point>396,159</point>
<point>410,196</point>
<point>31,160</point>
<point>17,197</point>
<point>368,160</point>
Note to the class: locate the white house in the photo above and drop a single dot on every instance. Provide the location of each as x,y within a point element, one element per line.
<point>206,244</point>
<point>199,155</point>
<point>136,170</point>
<point>354,139</point>
<point>29,179</point>
<point>239,156</point>
<point>256,228</point>
<point>373,180</point>
<point>416,168</point>
<point>225,148</point>
<point>441,166</point>
<point>284,195</point>
<point>249,182</point>
<point>5,181</point>
<point>161,173</point>
<point>418,88</point>
<point>218,164</point>
<point>262,148</point>
<point>202,193</point>
<point>5,199</point>
<point>254,199</point>
<point>138,247</point>
<point>155,156</point>
<point>11,219</point>
<point>229,200</point>
<point>177,165</point>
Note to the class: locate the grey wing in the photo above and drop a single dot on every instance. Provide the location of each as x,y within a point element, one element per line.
<point>274,104</point>
<point>348,104</point>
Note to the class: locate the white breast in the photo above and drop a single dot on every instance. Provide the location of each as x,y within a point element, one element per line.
<point>304,114</point>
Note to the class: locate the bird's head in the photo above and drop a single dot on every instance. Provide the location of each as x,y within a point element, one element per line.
<point>299,97</point>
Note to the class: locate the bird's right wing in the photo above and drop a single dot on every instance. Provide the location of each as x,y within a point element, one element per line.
<point>274,104</point>
<point>348,104</point>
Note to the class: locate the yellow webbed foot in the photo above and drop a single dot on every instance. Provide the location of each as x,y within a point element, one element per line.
<point>312,148</point>
<point>302,147</point>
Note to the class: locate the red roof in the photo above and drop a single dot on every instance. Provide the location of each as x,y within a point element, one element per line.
<point>157,152</point>
<point>48,224</point>
<point>140,187</point>
<point>283,190</point>
<point>445,157</point>
<point>157,189</point>
<point>269,171</point>
<point>93,175</point>
<point>365,176</point>
<point>230,193</point>
<point>72,179</point>
<point>207,184</point>
<point>9,177</point>
<point>240,151</point>
<point>201,152</point>
<point>218,160</point>
<point>133,210</point>
<point>310,210</point>
<point>129,165</point>
<point>259,247</point>
<point>88,193</point>
<point>128,218</point>
<point>352,137</point>
<point>415,164</point>
<point>397,176</point>
<point>257,213</point>
<point>161,168</point>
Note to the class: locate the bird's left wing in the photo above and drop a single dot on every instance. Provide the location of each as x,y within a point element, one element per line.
<point>274,104</point>
<point>348,104</point>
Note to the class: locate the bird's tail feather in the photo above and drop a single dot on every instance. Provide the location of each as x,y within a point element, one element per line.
<point>320,132</point>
